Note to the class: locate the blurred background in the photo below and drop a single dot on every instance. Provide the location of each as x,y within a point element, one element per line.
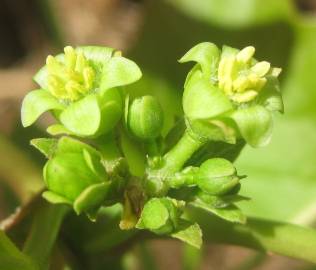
<point>281,177</point>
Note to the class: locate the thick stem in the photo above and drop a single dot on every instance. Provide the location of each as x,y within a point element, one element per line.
<point>46,223</point>
<point>180,153</point>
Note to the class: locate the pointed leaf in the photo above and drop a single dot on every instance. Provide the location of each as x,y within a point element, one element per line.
<point>207,55</point>
<point>189,233</point>
<point>230,213</point>
<point>36,103</point>
<point>45,145</point>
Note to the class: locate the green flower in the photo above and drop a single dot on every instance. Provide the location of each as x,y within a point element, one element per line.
<point>81,88</point>
<point>73,174</point>
<point>228,94</point>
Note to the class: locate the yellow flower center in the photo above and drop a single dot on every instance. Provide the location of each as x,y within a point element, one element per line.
<point>241,77</point>
<point>71,79</point>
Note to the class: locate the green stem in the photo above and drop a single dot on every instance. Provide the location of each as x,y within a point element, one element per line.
<point>152,148</point>
<point>180,153</point>
<point>44,231</point>
<point>263,235</point>
<point>11,257</point>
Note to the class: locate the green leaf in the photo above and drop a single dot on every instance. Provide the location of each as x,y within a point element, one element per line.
<point>119,71</point>
<point>91,198</point>
<point>236,13</point>
<point>207,55</point>
<point>36,103</point>
<point>189,233</point>
<point>202,100</point>
<point>255,125</point>
<point>11,258</point>
<point>45,145</point>
<point>83,117</point>
<point>230,213</point>
<point>260,234</point>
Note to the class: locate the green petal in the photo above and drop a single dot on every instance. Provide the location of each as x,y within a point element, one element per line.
<point>52,197</point>
<point>70,145</point>
<point>58,129</point>
<point>83,117</point>
<point>255,125</point>
<point>202,100</point>
<point>206,54</point>
<point>36,103</point>
<point>189,233</point>
<point>45,146</point>
<point>194,74</point>
<point>119,71</point>
<point>96,53</point>
<point>270,96</point>
<point>91,198</point>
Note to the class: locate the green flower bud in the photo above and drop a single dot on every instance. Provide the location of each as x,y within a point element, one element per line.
<point>74,174</point>
<point>80,87</point>
<point>217,176</point>
<point>145,118</point>
<point>160,215</point>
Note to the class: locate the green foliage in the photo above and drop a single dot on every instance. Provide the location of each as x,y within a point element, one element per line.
<point>11,258</point>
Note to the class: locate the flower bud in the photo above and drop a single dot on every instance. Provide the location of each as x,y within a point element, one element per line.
<point>145,118</point>
<point>217,176</point>
<point>160,215</point>
<point>74,175</point>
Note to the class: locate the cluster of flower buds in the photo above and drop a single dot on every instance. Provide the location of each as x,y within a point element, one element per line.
<point>228,95</point>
